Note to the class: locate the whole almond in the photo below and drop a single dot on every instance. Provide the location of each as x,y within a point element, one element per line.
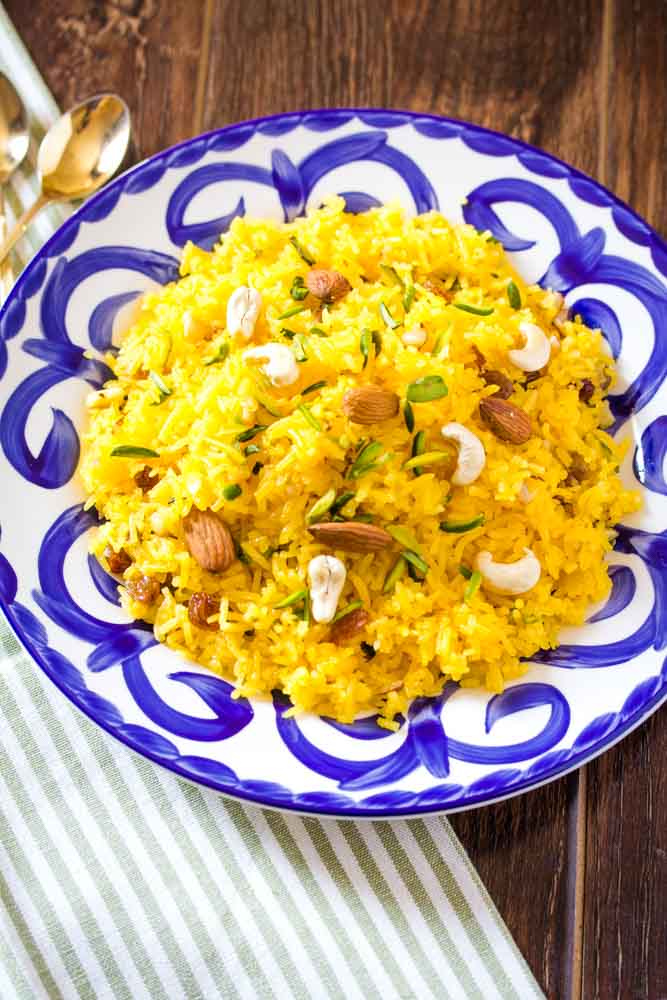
<point>349,626</point>
<point>505,386</point>
<point>369,404</point>
<point>352,536</point>
<point>327,286</point>
<point>507,421</point>
<point>209,540</point>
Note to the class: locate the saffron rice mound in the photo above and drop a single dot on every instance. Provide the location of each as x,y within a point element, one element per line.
<point>428,319</point>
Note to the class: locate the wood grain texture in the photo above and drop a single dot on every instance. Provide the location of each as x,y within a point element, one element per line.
<point>636,153</point>
<point>584,80</point>
<point>474,59</point>
<point>520,849</point>
<point>625,880</point>
<point>147,50</point>
<point>625,920</point>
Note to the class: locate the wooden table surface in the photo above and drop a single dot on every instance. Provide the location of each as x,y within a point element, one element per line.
<point>578,869</point>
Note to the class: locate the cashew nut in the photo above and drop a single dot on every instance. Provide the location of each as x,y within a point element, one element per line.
<point>415,337</point>
<point>242,311</point>
<point>279,364</point>
<point>327,576</point>
<point>510,578</point>
<point>472,457</point>
<point>536,351</point>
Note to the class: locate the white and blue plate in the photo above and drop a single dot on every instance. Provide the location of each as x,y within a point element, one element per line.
<point>465,747</point>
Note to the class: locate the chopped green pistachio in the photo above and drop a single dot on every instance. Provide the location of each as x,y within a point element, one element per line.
<point>426,389</point>
<point>293,311</point>
<point>313,421</point>
<point>418,446</point>
<point>416,560</point>
<point>251,432</point>
<point>458,527</point>
<point>439,343</point>
<point>133,451</point>
<point>314,387</point>
<point>232,492</point>
<point>409,416</point>
<point>347,610</point>
<point>251,449</point>
<point>302,252</point>
<point>317,331</point>
<point>161,386</point>
<point>513,296</point>
<point>393,275</point>
<point>472,586</point>
<point>404,537</point>
<point>220,354</point>
<point>475,310</point>
<point>340,502</point>
<point>321,506</point>
<point>291,599</point>
<point>394,575</point>
<point>298,290</point>
<point>365,346</point>
<point>389,320</point>
<point>428,458</point>
<point>299,348</point>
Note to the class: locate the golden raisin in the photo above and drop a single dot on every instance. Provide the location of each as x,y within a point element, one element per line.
<point>200,608</point>
<point>505,386</point>
<point>586,391</point>
<point>326,285</point>
<point>349,626</point>
<point>146,479</point>
<point>117,562</point>
<point>145,589</point>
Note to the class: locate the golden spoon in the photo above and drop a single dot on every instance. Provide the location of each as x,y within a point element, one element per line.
<point>78,154</point>
<point>14,142</point>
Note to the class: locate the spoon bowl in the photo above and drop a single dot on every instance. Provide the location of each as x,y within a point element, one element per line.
<point>84,148</point>
<point>14,134</point>
<point>78,154</point>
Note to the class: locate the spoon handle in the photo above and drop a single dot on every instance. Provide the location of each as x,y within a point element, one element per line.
<point>6,276</point>
<point>21,226</point>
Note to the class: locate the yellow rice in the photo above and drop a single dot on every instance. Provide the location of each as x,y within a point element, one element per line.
<point>423,633</point>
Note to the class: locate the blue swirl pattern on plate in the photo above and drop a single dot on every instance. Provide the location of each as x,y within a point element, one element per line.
<point>287,157</point>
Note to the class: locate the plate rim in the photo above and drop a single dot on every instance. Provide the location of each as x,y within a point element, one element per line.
<point>355,809</point>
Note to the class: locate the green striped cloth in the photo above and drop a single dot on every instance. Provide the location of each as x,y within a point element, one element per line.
<point>119,880</point>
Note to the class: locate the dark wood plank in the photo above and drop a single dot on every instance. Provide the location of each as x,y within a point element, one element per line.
<point>477,60</point>
<point>520,849</point>
<point>626,870</point>
<point>636,150</point>
<point>145,50</point>
<point>625,913</point>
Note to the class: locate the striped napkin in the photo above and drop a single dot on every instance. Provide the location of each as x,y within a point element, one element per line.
<point>118,879</point>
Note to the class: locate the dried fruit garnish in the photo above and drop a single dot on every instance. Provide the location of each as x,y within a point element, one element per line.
<point>117,562</point>
<point>327,285</point>
<point>145,589</point>
<point>201,607</point>
<point>349,626</point>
